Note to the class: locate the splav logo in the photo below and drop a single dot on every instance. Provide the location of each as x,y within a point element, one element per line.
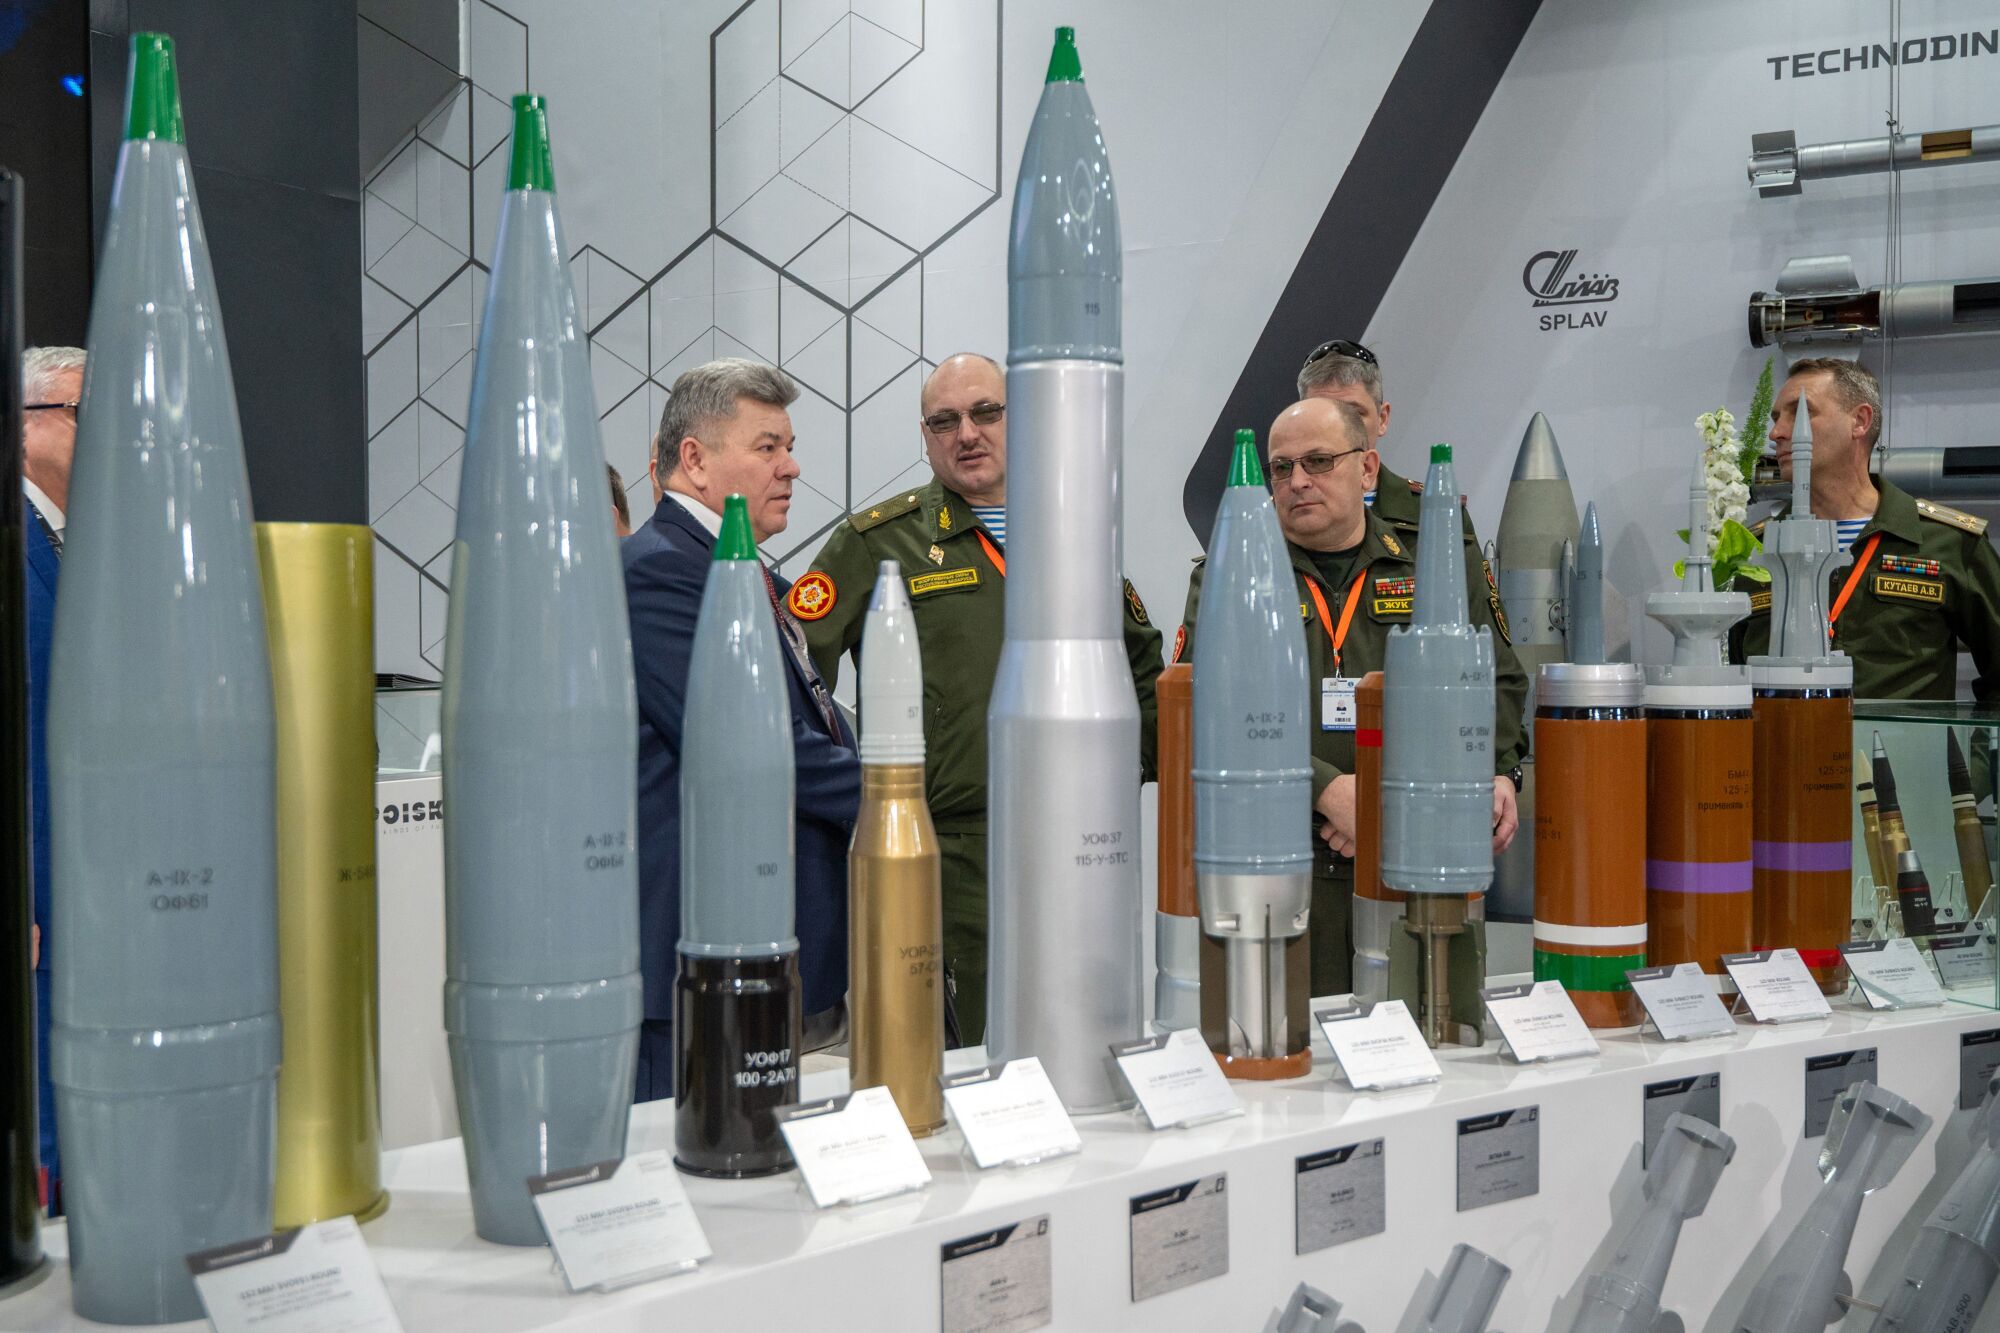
<point>1550,280</point>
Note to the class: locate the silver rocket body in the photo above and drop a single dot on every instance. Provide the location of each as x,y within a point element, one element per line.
<point>542,992</point>
<point>1956,1257</point>
<point>1624,1296</point>
<point>1802,552</point>
<point>1065,898</point>
<point>1466,1293</point>
<point>1252,765</point>
<point>1872,1133</point>
<point>165,1043</point>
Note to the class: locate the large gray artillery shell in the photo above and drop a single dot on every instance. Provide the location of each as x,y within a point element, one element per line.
<point>1437,717</point>
<point>164,1047</point>
<point>1536,518</point>
<point>542,993</point>
<point>1065,900</point>
<point>1956,1257</point>
<point>1624,1296</point>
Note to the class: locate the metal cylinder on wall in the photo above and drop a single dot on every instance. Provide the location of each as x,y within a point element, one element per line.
<point>319,617</point>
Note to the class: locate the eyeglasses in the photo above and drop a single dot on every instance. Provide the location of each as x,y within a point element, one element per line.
<point>982,414</point>
<point>72,405</point>
<point>1342,347</point>
<point>1315,464</point>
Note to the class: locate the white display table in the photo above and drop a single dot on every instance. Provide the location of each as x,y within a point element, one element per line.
<point>780,1264</point>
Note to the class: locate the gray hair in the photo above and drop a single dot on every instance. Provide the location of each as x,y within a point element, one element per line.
<point>1853,385</point>
<point>1353,424</point>
<point>40,365</point>
<point>706,396</point>
<point>1333,368</point>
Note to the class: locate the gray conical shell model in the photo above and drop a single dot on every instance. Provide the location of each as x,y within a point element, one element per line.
<point>164,1048</point>
<point>1801,551</point>
<point>542,991</point>
<point>1065,904</point>
<point>1952,1267</point>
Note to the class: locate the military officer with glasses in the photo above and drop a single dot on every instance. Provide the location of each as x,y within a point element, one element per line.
<point>950,537</point>
<point>1356,576</point>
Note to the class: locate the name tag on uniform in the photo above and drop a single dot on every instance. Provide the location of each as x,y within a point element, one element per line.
<point>1336,703</point>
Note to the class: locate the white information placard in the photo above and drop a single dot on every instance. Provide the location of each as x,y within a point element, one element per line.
<point>1539,1021</point>
<point>317,1279</point>
<point>1681,1001</point>
<point>1777,986</point>
<point>853,1149</point>
<point>618,1223</point>
<point>1009,1114</point>
<point>1378,1045</point>
<point>1892,974</point>
<point>1964,958</point>
<point>1176,1079</point>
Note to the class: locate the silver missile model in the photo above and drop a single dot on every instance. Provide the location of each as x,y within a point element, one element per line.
<point>1465,1295</point>
<point>1537,520</point>
<point>1957,474</point>
<point>1585,623</point>
<point>165,1038</point>
<point>1819,301</point>
<point>1309,1310</point>
<point>542,991</point>
<point>1802,552</point>
<point>1624,1296</point>
<point>737,1019</point>
<point>1437,755</point>
<point>1252,761</point>
<point>1696,614</point>
<point>1952,1265</point>
<point>1871,1134</point>
<point>1064,900</point>
<point>1779,165</point>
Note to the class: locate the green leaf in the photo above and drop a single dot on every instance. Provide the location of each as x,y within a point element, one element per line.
<point>1680,567</point>
<point>1757,423</point>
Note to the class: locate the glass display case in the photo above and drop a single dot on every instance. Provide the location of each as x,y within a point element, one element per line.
<point>406,730</point>
<point>1924,840</point>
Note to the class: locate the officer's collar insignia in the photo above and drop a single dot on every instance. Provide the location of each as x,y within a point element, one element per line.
<point>936,553</point>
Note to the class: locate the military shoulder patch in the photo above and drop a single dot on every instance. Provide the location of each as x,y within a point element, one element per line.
<point>1416,485</point>
<point>1138,607</point>
<point>1180,645</point>
<point>812,597</point>
<point>876,514</point>
<point>1760,600</point>
<point>1956,518</point>
<point>1929,591</point>
<point>1391,545</point>
<point>944,581</point>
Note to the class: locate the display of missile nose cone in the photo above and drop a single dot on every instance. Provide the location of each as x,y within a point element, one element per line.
<point>737,1022</point>
<point>164,1043</point>
<point>1871,1134</point>
<point>319,590</point>
<point>542,991</point>
<point>1956,1256</point>
<point>1913,888</point>
<point>1064,894</point>
<point>1803,704</point>
<point>1537,517</point>
<point>1624,1296</point>
<point>1590,818</point>
<point>1966,829</point>
<point>1437,758</point>
<point>1699,744</point>
<point>1466,1293</point>
<point>20,1208</point>
<point>1378,911</point>
<point>1253,772</point>
<point>895,950</point>
<point>1177,940</point>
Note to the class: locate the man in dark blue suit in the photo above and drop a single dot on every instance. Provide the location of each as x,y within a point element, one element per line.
<point>726,431</point>
<point>52,378</point>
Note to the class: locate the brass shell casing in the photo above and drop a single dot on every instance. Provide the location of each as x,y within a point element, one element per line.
<point>319,613</point>
<point>1871,840</point>
<point>1976,870</point>
<point>895,946</point>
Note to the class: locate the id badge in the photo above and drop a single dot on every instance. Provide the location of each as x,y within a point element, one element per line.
<point>1336,704</point>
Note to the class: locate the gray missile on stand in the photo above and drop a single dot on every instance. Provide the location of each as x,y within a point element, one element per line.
<point>1537,520</point>
<point>542,992</point>
<point>165,1039</point>
<point>1952,1266</point>
<point>1624,1296</point>
<point>1466,1293</point>
<point>1871,1134</point>
<point>1696,614</point>
<point>1065,900</point>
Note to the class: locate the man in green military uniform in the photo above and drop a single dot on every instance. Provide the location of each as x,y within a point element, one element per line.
<point>1925,579</point>
<point>950,537</point>
<point>1356,579</point>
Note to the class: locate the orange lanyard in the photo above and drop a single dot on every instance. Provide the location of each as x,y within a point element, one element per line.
<point>992,551</point>
<point>1847,589</point>
<point>1339,636</point>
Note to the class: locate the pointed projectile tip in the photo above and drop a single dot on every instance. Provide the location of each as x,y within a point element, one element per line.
<point>1065,65</point>
<point>1244,469</point>
<point>532,166</point>
<point>153,96</point>
<point>889,594</point>
<point>1539,458</point>
<point>735,542</point>
<point>1590,535</point>
<point>1878,743</point>
<point>1957,776</point>
<point>1440,453</point>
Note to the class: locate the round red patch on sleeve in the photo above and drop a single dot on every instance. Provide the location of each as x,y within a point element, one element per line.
<point>1180,642</point>
<point>812,597</point>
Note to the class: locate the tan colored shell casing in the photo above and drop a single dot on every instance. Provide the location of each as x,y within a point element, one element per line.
<point>1973,866</point>
<point>1871,834</point>
<point>895,946</point>
<point>1699,796</point>
<point>1174,693</point>
<point>1368,793</point>
<point>1590,861</point>
<point>320,618</point>
<point>1804,771</point>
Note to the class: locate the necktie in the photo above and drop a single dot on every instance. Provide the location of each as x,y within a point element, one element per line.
<point>795,644</point>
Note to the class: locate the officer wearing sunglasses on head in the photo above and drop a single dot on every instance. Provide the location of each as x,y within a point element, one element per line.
<point>950,537</point>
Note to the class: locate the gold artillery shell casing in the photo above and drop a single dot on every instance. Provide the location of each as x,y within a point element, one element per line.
<point>896,946</point>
